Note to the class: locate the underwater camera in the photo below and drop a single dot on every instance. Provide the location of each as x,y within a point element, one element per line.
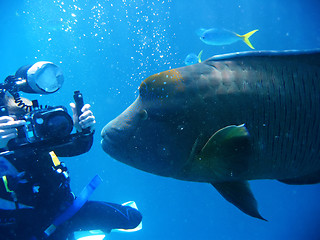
<point>43,124</point>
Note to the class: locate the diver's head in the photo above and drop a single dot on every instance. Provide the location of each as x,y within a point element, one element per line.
<point>12,106</point>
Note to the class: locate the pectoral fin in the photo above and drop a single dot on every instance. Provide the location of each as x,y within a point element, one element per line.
<point>239,194</point>
<point>227,151</point>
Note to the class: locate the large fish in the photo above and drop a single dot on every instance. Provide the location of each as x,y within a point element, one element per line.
<point>227,120</point>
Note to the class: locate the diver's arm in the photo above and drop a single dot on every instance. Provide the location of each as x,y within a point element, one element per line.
<point>8,129</point>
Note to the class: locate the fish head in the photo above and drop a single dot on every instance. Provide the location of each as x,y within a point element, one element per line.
<point>152,134</point>
<point>206,37</point>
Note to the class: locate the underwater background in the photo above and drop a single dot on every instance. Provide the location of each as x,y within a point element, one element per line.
<point>106,48</point>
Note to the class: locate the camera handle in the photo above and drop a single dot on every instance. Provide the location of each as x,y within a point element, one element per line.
<point>78,98</point>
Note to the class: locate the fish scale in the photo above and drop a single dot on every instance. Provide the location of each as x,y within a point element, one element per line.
<point>315,125</point>
<point>285,107</point>
<point>287,124</point>
<point>278,115</point>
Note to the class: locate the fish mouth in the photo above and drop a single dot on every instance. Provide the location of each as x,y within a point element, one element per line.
<point>110,135</point>
<point>106,140</point>
<point>121,129</point>
<point>113,146</point>
<point>113,139</point>
<point>107,145</point>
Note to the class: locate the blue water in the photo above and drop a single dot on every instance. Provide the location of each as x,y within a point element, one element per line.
<point>106,48</point>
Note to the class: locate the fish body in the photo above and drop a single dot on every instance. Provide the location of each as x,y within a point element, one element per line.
<point>218,37</point>
<point>193,58</point>
<point>227,120</point>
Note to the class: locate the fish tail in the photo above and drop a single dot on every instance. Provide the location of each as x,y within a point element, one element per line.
<point>246,36</point>
<point>199,56</point>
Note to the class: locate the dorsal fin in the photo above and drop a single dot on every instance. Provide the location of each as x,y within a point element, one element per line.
<point>311,57</point>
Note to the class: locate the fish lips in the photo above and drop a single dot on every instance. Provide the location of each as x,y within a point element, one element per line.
<point>116,135</point>
<point>135,149</point>
<point>109,139</point>
<point>119,135</point>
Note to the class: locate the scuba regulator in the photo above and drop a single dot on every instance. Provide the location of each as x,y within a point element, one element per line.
<point>44,125</point>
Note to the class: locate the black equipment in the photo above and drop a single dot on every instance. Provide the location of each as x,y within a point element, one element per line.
<point>44,125</point>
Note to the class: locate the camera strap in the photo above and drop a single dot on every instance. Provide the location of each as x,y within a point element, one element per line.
<point>7,170</point>
<point>58,166</point>
<point>54,158</point>
<point>12,193</point>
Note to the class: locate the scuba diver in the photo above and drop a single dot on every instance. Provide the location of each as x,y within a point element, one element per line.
<point>36,201</point>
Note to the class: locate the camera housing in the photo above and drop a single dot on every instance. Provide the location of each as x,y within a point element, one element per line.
<point>44,124</point>
<point>45,127</point>
<point>47,123</point>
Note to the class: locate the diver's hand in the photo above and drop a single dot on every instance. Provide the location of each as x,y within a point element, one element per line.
<point>8,129</point>
<point>86,119</point>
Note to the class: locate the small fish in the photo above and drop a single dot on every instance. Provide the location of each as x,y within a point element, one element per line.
<point>218,37</point>
<point>193,58</point>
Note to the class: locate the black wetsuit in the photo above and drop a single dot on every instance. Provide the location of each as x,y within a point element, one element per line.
<point>47,190</point>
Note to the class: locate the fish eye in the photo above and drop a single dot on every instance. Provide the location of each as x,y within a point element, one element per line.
<point>143,114</point>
